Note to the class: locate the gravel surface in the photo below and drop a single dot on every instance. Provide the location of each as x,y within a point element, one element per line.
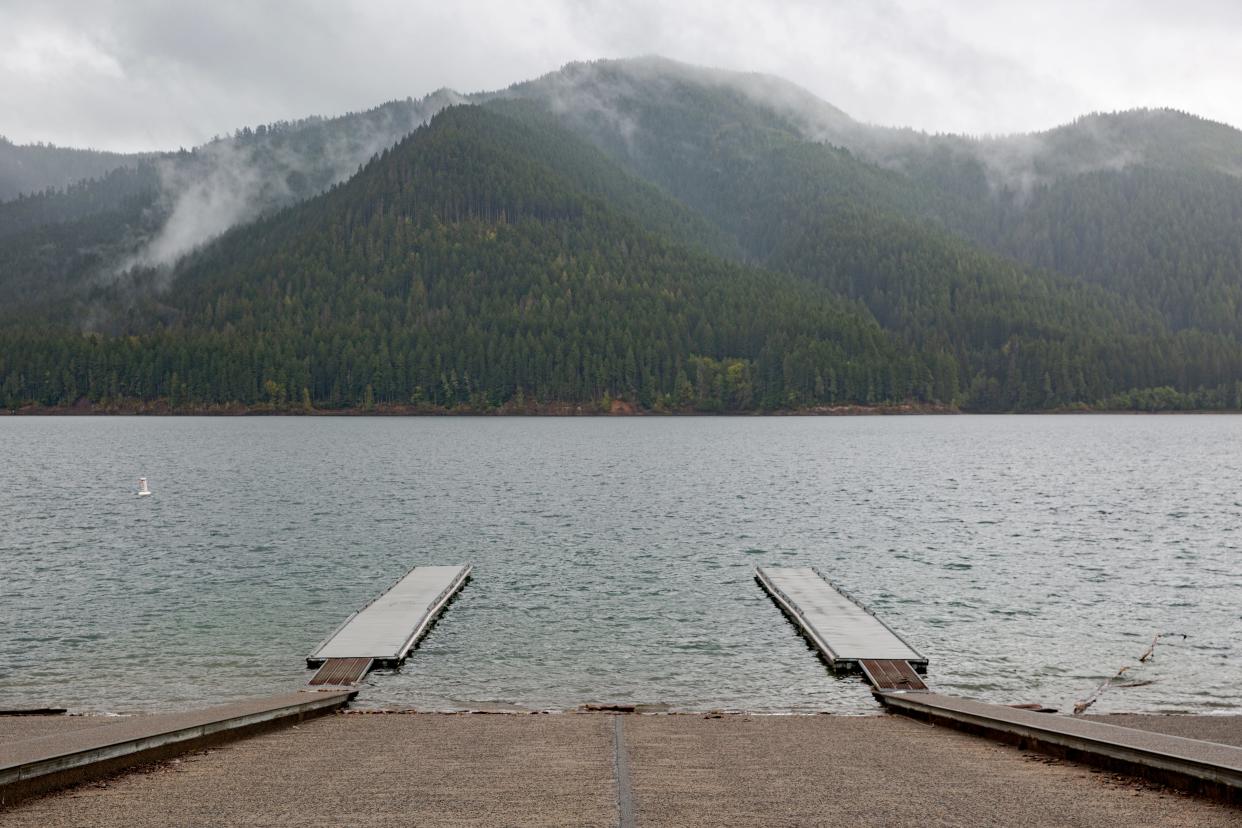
<point>685,770</point>
<point>357,769</point>
<point>889,771</point>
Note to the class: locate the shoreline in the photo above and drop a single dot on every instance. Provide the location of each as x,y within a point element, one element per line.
<point>32,709</point>
<point>565,410</point>
<point>1227,726</point>
<point>617,408</point>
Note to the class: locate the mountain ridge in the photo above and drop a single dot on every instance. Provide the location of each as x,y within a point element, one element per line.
<point>1057,273</point>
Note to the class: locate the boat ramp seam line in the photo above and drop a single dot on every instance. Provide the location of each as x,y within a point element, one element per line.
<point>621,772</point>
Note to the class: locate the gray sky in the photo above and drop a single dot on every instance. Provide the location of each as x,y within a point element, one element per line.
<point>148,74</point>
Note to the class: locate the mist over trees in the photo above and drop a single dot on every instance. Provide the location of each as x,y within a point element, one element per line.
<point>670,236</point>
<point>30,168</point>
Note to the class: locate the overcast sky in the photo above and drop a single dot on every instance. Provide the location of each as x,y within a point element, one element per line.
<point>155,74</point>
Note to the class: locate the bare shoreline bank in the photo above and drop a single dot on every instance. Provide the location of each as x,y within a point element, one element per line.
<point>616,409</point>
<point>157,409</point>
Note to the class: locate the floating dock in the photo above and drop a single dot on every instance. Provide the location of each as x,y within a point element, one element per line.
<point>381,634</point>
<point>846,633</point>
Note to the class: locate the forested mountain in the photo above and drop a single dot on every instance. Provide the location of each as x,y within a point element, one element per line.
<point>866,219</point>
<point>90,196</point>
<point>477,263</point>
<point>1169,239</point>
<point>672,236</point>
<point>32,168</point>
<point>57,243</point>
<point>1147,203</point>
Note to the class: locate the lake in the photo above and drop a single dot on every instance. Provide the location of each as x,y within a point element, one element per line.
<point>1027,556</point>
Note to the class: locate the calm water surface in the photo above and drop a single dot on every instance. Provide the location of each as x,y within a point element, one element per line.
<point>1028,557</point>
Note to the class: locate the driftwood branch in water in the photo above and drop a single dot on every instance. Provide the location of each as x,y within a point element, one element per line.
<point>1148,655</point>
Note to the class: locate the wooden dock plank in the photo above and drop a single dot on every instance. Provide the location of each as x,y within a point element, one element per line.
<point>843,630</point>
<point>341,671</point>
<point>887,674</point>
<point>387,628</point>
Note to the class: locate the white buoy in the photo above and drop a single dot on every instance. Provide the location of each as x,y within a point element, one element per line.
<point>143,491</point>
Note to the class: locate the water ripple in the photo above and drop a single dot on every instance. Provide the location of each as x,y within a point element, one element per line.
<point>1028,557</point>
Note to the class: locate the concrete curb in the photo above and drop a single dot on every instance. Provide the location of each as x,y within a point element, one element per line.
<point>1207,768</point>
<point>33,766</point>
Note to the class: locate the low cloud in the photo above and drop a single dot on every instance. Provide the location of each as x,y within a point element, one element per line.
<point>152,75</point>
<point>234,180</point>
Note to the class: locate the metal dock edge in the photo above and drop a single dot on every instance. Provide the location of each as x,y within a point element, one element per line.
<point>1207,768</point>
<point>853,626</point>
<point>32,766</point>
<point>436,608</point>
<point>790,609</point>
<point>373,632</point>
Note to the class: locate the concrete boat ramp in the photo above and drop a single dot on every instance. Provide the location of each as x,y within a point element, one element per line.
<point>843,631</point>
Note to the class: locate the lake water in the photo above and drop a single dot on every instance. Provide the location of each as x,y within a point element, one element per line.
<point>1027,557</point>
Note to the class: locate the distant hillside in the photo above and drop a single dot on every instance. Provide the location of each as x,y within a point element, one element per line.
<point>477,263</point>
<point>166,205</point>
<point>876,232</point>
<point>676,237</point>
<point>32,168</point>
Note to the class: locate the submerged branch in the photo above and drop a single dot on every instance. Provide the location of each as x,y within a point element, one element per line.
<point>1150,653</point>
